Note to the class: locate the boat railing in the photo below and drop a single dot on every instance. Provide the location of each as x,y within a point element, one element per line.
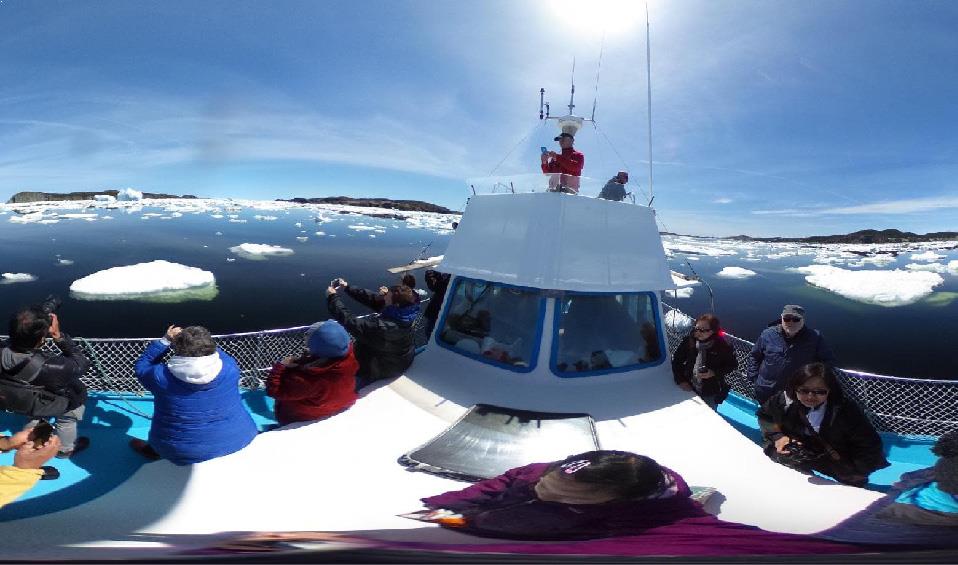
<point>908,407</point>
<point>539,182</point>
<point>914,408</point>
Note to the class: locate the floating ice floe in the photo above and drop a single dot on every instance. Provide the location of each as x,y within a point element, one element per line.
<point>877,260</point>
<point>11,278</point>
<point>320,233</point>
<point>265,218</point>
<point>156,281</point>
<point>217,216</point>
<point>64,262</point>
<point>104,198</point>
<point>362,227</point>
<point>930,267</point>
<point>927,256</point>
<point>735,273</point>
<point>129,194</point>
<point>685,292</point>
<point>260,251</point>
<point>302,239</point>
<point>884,288</point>
<point>678,321</point>
<point>218,233</point>
<point>235,221</point>
<point>298,224</point>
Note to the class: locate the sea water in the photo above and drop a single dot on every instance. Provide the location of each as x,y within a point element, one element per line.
<point>276,291</point>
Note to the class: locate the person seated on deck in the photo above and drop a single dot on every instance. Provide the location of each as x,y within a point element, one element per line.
<point>319,383</point>
<point>28,463</point>
<point>385,344</point>
<point>703,359</point>
<point>565,168</point>
<point>648,509</point>
<point>615,189</point>
<point>38,384</point>
<point>197,410</point>
<point>811,426</point>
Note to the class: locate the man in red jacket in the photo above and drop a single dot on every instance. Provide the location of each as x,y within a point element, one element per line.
<point>568,164</point>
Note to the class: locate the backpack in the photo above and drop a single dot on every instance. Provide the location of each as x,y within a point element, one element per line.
<point>21,397</point>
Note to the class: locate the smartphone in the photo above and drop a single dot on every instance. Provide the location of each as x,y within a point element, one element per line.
<point>544,150</point>
<point>42,433</point>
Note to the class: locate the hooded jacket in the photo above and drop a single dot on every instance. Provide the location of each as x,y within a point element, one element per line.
<point>844,427</point>
<point>385,345</point>
<point>438,283</point>
<point>197,410</point>
<point>26,376</point>
<point>310,390</point>
<point>720,358</point>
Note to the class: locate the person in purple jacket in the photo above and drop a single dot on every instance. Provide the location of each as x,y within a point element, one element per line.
<point>197,410</point>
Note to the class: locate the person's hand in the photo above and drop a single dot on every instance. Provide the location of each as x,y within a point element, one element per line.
<point>781,442</point>
<point>54,330</point>
<point>707,374</point>
<point>290,361</point>
<point>383,291</point>
<point>16,440</point>
<point>330,290</point>
<point>343,283</point>
<point>545,157</point>
<point>685,386</point>
<point>30,457</point>
<point>552,155</point>
<point>172,332</point>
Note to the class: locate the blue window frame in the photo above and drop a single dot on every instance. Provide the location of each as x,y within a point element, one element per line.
<point>494,323</point>
<point>602,333</point>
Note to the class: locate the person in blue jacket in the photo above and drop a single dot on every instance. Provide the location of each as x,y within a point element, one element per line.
<point>784,348</point>
<point>197,410</point>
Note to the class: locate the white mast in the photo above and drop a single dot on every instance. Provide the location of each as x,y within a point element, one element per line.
<point>648,72</point>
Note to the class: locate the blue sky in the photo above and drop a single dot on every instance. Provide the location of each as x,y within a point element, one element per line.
<point>770,117</point>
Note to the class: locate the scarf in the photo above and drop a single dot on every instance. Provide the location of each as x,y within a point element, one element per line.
<point>701,348</point>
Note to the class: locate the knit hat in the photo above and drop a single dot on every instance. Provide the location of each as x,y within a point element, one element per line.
<point>946,469</point>
<point>794,310</point>
<point>327,339</point>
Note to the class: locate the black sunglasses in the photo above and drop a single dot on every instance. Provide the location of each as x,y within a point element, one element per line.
<point>815,391</point>
<point>702,330</point>
<point>791,318</point>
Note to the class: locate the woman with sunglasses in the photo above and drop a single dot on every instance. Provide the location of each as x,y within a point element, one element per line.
<point>703,359</point>
<point>811,426</point>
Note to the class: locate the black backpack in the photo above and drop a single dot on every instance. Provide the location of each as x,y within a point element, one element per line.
<point>21,397</point>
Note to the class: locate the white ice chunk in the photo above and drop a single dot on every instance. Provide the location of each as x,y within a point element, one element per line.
<point>302,238</point>
<point>160,281</point>
<point>884,288</point>
<point>298,224</point>
<point>736,273</point>
<point>104,198</point>
<point>361,227</point>
<point>680,282</point>
<point>260,251</point>
<point>320,233</point>
<point>926,256</point>
<point>10,278</point>
<point>219,233</point>
<point>64,262</point>
<point>265,218</point>
<point>930,267</point>
<point>684,292</point>
<point>129,194</point>
<point>677,321</point>
<point>217,216</point>
<point>235,221</point>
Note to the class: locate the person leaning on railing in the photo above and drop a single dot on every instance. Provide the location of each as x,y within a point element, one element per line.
<point>812,426</point>
<point>703,359</point>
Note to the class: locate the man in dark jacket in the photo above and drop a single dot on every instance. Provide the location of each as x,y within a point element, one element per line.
<point>385,345</point>
<point>615,189</point>
<point>438,283</point>
<point>38,384</point>
<point>782,349</point>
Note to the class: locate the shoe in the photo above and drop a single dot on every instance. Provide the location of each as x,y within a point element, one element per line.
<point>49,473</point>
<point>81,444</point>
<point>144,449</point>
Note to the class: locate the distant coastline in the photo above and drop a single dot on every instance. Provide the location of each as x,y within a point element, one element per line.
<point>26,197</point>
<point>861,236</point>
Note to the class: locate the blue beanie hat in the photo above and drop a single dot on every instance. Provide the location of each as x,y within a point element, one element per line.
<point>327,339</point>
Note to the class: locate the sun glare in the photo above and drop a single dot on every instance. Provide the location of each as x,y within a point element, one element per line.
<point>598,16</point>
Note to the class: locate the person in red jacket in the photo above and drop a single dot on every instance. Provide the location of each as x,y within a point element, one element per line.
<point>568,164</point>
<point>319,383</point>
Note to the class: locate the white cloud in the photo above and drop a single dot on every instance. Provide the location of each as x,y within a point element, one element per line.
<point>905,206</point>
<point>723,200</point>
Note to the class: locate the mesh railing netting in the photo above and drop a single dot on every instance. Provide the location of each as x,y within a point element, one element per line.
<point>908,407</point>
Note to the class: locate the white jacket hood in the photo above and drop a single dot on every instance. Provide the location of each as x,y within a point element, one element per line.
<point>196,370</point>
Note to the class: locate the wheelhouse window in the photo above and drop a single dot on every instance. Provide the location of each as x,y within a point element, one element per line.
<point>605,333</point>
<point>495,323</point>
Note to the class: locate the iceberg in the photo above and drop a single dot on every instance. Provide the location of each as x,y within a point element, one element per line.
<point>684,292</point>
<point>129,195</point>
<point>677,321</point>
<point>735,273</point>
<point>260,251</point>
<point>926,256</point>
<point>156,281</point>
<point>883,288</point>
<point>302,238</point>
<point>10,278</point>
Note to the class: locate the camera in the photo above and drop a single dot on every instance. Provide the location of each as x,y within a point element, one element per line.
<point>49,305</point>
<point>703,369</point>
<point>336,283</point>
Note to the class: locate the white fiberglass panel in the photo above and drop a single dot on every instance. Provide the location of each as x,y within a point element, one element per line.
<point>559,241</point>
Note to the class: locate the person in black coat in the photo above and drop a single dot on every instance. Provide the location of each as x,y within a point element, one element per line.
<point>811,426</point>
<point>384,342</point>
<point>438,283</point>
<point>703,359</point>
<point>39,384</point>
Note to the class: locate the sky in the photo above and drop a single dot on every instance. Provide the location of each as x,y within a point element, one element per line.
<point>770,117</point>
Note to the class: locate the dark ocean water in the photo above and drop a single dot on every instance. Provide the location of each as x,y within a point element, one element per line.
<point>912,340</point>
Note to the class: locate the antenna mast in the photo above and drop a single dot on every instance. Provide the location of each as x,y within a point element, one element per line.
<point>572,96</point>
<point>648,74</point>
